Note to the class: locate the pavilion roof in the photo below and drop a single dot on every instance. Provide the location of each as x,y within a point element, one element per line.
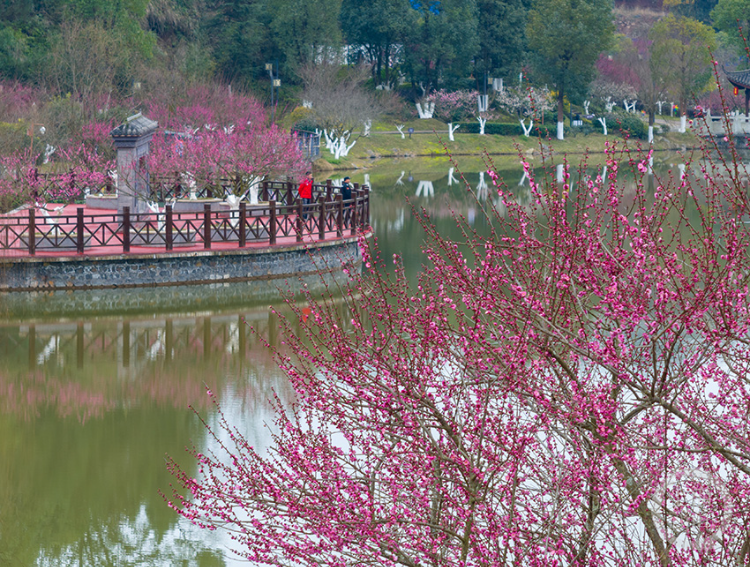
<point>740,79</point>
<point>135,127</point>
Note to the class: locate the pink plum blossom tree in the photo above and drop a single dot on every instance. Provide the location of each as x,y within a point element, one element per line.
<point>569,389</point>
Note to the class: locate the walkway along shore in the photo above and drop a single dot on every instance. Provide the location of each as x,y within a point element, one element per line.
<point>77,247</point>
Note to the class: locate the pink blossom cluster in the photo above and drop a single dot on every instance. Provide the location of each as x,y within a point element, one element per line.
<point>568,389</point>
<point>454,106</point>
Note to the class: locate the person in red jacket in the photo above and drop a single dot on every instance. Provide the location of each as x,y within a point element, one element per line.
<point>305,190</point>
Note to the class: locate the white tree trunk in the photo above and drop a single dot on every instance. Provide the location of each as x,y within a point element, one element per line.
<point>527,131</point>
<point>603,122</point>
<point>368,126</point>
<point>559,173</point>
<point>683,123</point>
<point>586,105</point>
<point>451,130</point>
<point>425,188</point>
<point>451,178</point>
<point>426,111</point>
<point>482,187</point>
<point>400,128</point>
<point>482,123</point>
<point>560,131</point>
<point>650,134</point>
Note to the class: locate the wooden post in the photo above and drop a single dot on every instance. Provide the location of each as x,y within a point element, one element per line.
<point>322,217</point>
<point>300,224</point>
<point>168,226</point>
<point>126,229</point>
<point>264,191</point>
<point>289,193</point>
<point>272,222</point>
<point>243,223</point>
<point>207,226</point>
<point>339,216</point>
<point>354,216</point>
<point>329,189</point>
<point>32,231</point>
<point>79,230</point>
<point>366,204</point>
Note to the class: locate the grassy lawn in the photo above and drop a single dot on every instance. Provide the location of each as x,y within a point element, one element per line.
<point>382,144</point>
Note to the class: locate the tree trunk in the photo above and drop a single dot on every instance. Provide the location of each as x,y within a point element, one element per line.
<point>560,114</point>
<point>651,120</point>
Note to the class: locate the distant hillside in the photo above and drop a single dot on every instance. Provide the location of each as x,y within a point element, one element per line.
<point>635,22</point>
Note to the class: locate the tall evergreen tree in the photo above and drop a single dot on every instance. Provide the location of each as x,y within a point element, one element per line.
<point>238,34</point>
<point>378,29</point>
<point>502,36</point>
<point>443,42</point>
<point>565,39</point>
<point>304,30</point>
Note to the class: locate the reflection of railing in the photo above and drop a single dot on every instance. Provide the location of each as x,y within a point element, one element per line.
<point>280,215</point>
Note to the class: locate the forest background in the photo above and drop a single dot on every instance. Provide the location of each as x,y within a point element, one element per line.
<point>66,64</point>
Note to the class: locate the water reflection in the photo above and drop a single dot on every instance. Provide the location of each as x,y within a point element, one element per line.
<point>88,411</point>
<point>89,406</point>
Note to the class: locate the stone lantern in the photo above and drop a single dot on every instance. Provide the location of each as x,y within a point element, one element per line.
<point>131,141</point>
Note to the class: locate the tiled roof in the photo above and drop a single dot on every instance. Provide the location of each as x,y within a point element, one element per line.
<point>135,127</point>
<point>740,79</point>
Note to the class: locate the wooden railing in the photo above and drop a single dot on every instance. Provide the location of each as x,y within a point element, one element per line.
<point>281,216</point>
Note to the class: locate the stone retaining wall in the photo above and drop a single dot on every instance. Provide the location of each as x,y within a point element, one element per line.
<point>148,270</point>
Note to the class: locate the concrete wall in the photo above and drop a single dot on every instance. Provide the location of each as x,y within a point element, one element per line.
<point>125,271</point>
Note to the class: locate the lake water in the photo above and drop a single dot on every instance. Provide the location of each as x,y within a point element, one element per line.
<point>90,403</point>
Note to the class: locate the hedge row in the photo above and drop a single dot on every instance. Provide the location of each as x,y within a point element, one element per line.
<point>616,124</point>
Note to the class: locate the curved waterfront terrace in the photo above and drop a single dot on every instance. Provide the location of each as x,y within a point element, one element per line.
<point>279,219</point>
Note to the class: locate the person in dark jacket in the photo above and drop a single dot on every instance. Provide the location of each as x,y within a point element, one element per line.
<point>346,189</point>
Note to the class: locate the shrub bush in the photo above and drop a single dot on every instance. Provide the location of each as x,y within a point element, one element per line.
<point>626,124</point>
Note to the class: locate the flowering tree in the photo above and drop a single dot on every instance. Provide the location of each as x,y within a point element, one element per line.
<point>247,154</point>
<point>453,106</point>
<point>523,102</point>
<point>570,389</point>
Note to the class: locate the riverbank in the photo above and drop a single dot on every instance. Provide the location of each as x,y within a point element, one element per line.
<point>381,145</point>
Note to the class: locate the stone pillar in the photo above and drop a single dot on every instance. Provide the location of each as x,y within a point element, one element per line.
<point>131,141</point>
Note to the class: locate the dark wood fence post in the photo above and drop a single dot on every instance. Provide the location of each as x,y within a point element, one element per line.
<point>366,215</point>
<point>300,224</point>
<point>322,217</point>
<point>289,193</point>
<point>339,216</point>
<point>272,222</point>
<point>243,223</point>
<point>126,229</point>
<point>169,225</point>
<point>206,226</point>
<point>79,230</point>
<point>329,189</point>
<point>354,217</point>
<point>32,231</point>
<point>264,192</point>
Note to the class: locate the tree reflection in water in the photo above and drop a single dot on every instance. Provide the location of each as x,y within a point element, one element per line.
<point>87,412</point>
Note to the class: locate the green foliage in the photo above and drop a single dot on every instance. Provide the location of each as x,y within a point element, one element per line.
<point>378,27</point>
<point>440,47</point>
<point>304,29</point>
<point>728,16</point>
<point>626,124</point>
<point>13,137</point>
<point>502,38</point>
<point>684,46</point>
<point>696,9</point>
<point>565,39</point>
